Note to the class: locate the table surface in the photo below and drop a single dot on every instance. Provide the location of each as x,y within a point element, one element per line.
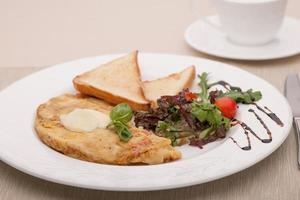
<point>36,34</point>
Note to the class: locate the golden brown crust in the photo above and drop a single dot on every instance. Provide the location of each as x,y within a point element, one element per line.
<point>191,78</point>
<point>85,83</point>
<point>114,99</point>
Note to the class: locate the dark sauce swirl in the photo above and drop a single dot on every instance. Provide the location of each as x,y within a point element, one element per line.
<point>226,85</point>
<point>264,125</point>
<point>248,130</point>
<point>246,148</point>
<point>245,127</point>
<point>270,114</point>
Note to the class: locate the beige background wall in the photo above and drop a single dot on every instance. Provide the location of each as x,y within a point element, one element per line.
<point>43,33</point>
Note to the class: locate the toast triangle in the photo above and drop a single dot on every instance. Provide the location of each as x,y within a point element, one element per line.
<point>170,85</point>
<point>115,82</point>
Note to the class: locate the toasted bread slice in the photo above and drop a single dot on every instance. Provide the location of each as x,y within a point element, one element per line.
<point>170,85</point>
<point>115,82</point>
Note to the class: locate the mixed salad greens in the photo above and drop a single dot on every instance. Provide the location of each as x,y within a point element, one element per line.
<point>193,118</point>
<point>196,118</point>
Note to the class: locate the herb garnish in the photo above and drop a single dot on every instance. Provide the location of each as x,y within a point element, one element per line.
<point>205,111</point>
<point>246,97</point>
<point>120,115</point>
<point>204,87</point>
<point>236,93</point>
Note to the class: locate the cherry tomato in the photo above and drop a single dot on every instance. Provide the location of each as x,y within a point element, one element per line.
<point>227,106</point>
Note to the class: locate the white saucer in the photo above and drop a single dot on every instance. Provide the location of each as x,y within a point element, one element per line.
<point>205,38</point>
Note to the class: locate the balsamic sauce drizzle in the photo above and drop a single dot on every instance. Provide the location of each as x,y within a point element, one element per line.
<point>248,130</point>
<point>246,148</point>
<point>270,114</point>
<point>226,85</point>
<point>264,125</point>
<point>245,127</point>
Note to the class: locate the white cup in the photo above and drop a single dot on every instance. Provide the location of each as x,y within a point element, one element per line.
<point>250,22</point>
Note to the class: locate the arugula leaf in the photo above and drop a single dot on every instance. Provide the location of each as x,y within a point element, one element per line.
<point>204,87</point>
<point>206,111</point>
<point>247,97</point>
<point>237,94</point>
<point>255,96</point>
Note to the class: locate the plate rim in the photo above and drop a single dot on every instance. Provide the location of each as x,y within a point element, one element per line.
<point>11,162</point>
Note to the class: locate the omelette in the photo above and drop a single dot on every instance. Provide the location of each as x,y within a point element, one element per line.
<point>101,145</point>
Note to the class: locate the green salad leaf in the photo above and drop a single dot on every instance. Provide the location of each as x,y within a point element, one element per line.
<point>162,126</point>
<point>236,93</point>
<point>206,132</point>
<point>167,129</point>
<point>205,111</point>
<point>210,113</point>
<point>204,86</point>
<point>246,97</point>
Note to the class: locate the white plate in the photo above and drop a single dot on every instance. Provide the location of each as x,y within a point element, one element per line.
<point>210,40</point>
<point>21,148</point>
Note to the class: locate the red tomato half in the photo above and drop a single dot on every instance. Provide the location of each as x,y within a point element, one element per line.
<point>227,106</point>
